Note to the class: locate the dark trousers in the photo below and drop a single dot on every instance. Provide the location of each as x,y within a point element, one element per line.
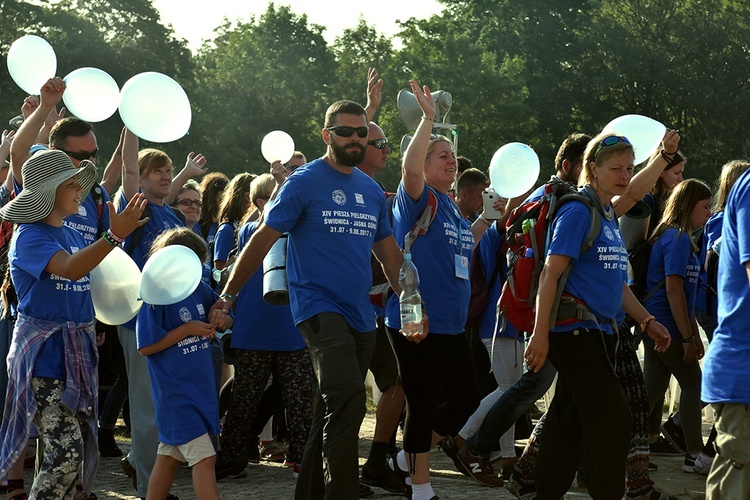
<point>589,417</point>
<point>340,356</point>
<point>439,363</point>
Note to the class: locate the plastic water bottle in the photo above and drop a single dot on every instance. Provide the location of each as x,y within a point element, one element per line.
<point>410,301</point>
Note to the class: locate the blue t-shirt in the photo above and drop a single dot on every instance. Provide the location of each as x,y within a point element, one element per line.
<point>725,368</point>
<point>86,221</point>
<point>598,274</point>
<point>212,233</point>
<point>162,218</point>
<point>487,249</point>
<point>445,295</point>
<point>183,384</point>
<point>332,219</point>
<point>47,296</point>
<point>671,255</point>
<point>224,241</point>
<point>258,325</point>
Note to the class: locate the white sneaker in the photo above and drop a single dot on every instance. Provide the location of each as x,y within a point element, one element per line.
<point>703,464</point>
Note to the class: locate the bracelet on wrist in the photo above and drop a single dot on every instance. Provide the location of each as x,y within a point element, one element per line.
<point>646,322</point>
<point>485,220</point>
<point>115,237</point>
<point>425,117</point>
<point>109,240</point>
<point>666,156</point>
<point>688,340</point>
<point>229,296</point>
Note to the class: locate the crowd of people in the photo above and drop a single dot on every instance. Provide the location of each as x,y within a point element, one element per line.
<point>221,378</point>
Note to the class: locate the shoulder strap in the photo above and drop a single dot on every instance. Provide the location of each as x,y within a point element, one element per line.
<point>424,221</point>
<point>97,194</point>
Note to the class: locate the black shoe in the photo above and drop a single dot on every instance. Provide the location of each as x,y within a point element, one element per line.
<point>401,475</point>
<point>674,435</point>
<point>384,478</point>
<point>107,444</point>
<point>226,467</point>
<point>449,446</point>
<point>365,491</point>
<point>662,447</point>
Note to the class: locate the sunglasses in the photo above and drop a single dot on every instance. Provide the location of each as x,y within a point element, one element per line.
<point>345,131</point>
<point>81,155</point>
<point>611,141</point>
<point>379,143</point>
<point>187,203</point>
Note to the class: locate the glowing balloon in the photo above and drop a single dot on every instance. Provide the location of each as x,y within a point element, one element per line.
<point>170,275</point>
<point>155,108</point>
<point>514,169</point>
<point>114,288</point>
<point>645,134</point>
<point>31,62</point>
<point>91,94</point>
<point>277,146</point>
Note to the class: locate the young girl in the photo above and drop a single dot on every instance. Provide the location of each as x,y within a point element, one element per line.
<point>672,284</point>
<point>175,339</point>
<point>53,360</point>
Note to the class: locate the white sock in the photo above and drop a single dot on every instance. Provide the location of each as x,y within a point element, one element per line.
<point>422,491</point>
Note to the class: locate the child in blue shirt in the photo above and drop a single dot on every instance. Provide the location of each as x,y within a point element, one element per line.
<point>176,340</point>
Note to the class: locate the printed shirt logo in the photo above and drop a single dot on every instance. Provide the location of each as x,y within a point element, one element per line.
<point>609,234</point>
<point>338,197</point>
<point>82,211</point>
<point>359,199</point>
<point>201,310</point>
<point>185,315</point>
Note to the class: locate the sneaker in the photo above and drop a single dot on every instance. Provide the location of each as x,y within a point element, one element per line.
<point>674,435</point>
<point>689,463</point>
<point>233,468</point>
<point>663,447</point>
<point>702,464</point>
<point>385,479</point>
<point>107,444</point>
<point>449,446</point>
<point>479,468</point>
<point>520,491</point>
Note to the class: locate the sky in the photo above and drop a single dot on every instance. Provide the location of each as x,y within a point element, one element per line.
<point>195,21</point>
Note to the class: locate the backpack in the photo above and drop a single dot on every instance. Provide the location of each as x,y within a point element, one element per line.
<point>528,233</point>
<point>381,290</point>
<point>480,286</point>
<point>712,275</point>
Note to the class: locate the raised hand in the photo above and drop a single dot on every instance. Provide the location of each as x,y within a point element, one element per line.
<point>374,89</point>
<point>195,164</point>
<point>51,92</point>
<point>424,99</point>
<point>671,142</point>
<point>7,140</point>
<point>29,105</point>
<point>125,222</point>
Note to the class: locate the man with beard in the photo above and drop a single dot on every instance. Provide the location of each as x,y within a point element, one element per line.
<point>335,215</point>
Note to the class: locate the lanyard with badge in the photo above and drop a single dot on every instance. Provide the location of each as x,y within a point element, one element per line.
<point>462,261</point>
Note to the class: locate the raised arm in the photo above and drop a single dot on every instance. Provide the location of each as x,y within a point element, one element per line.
<point>412,168</point>
<point>194,166</point>
<point>374,93</point>
<point>647,177</point>
<point>113,170</point>
<point>131,177</point>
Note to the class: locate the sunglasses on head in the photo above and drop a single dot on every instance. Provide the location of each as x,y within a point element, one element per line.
<point>379,143</point>
<point>346,131</point>
<point>81,155</point>
<point>187,203</point>
<point>611,141</point>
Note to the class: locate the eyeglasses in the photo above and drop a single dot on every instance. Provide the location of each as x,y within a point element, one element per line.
<point>611,141</point>
<point>186,203</point>
<point>345,131</point>
<point>379,143</point>
<point>81,155</point>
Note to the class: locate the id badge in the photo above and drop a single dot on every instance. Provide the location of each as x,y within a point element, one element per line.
<point>462,267</point>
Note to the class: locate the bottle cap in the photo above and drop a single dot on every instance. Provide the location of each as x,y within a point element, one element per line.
<point>407,256</point>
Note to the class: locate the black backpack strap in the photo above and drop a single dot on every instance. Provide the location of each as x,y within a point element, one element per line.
<point>97,194</point>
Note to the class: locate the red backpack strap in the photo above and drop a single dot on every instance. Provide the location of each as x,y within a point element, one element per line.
<point>424,221</point>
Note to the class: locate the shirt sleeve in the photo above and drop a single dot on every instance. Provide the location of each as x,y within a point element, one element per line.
<point>36,249</point>
<point>676,253</point>
<point>569,230</point>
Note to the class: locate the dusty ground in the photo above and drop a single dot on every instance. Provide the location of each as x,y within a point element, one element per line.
<point>270,481</point>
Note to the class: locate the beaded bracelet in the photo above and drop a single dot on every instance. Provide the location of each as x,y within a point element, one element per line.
<point>115,237</point>
<point>109,240</point>
<point>425,117</point>
<point>646,322</point>
<point>666,156</point>
<point>688,340</point>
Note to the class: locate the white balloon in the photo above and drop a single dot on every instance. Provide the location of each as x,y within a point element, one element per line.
<point>644,133</point>
<point>170,275</point>
<point>155,108</point>
<point>91,94</point>
<point>514,169</point>
<point>31,62</point>
<point>114,288</point>
<point>277,146</point>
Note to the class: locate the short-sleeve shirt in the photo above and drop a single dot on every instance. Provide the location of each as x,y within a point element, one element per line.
<point>671,255</point>
<point>332,219</point>
<point>224,241</point>
<point>446,296</point>
<point>86,221</point>
<point>47,296</point>
<point>487,250</point>
<point>183,383</point>
<point>258,325</point>
<point>725,368</point>
<point>598,274</point>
